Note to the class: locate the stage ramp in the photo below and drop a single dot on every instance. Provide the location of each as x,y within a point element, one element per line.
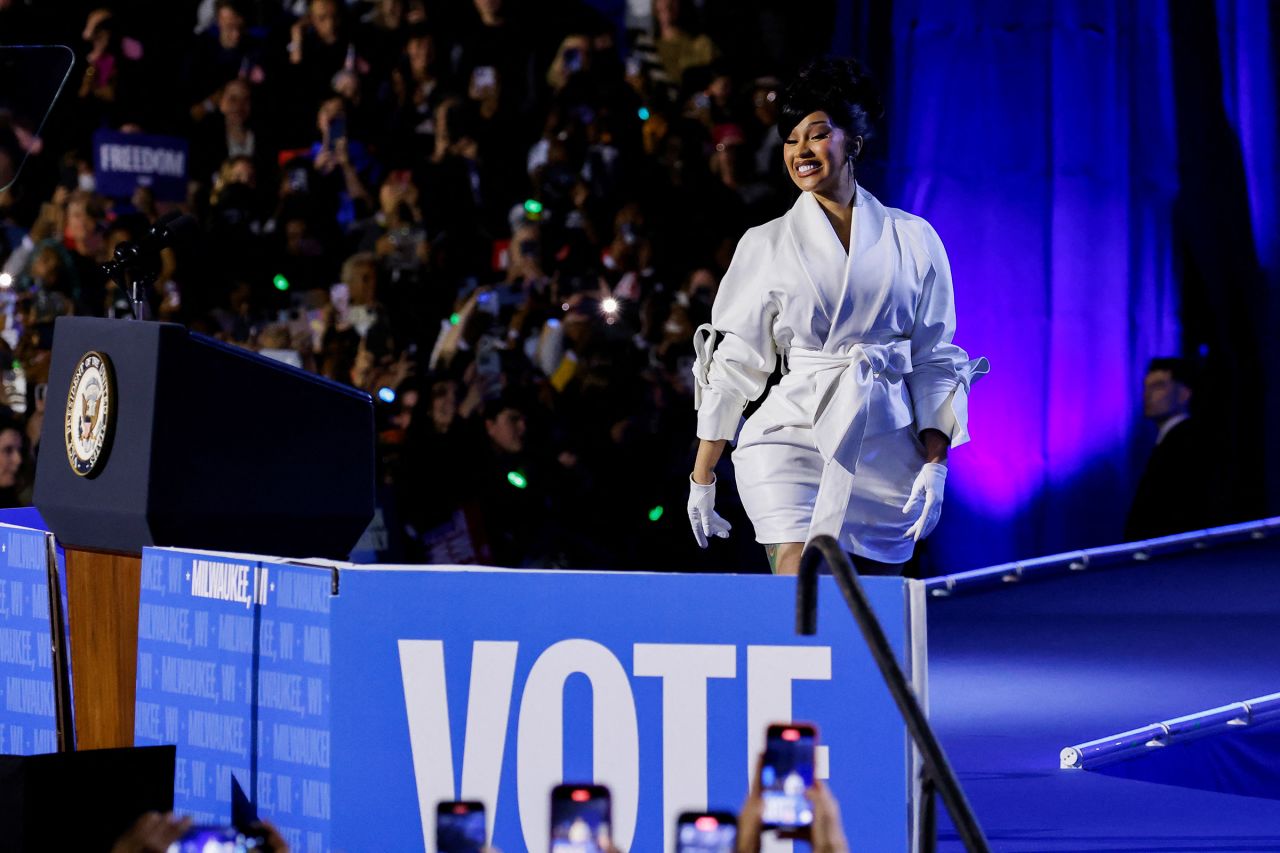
<point>1026,662</point>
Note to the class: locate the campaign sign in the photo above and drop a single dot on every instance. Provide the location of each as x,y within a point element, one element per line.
<point>413,685</point>
<point>233,668</point>
<point>28,724</point>
<point>122,162</point>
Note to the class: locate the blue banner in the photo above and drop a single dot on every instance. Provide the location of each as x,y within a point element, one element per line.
<point>233,668</point>
<point>122,162</point>
<point>27,717</point>
<point>412,685</point>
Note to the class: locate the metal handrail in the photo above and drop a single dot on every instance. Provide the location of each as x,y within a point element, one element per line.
<point>1104,557</point>
<point>937,772</point>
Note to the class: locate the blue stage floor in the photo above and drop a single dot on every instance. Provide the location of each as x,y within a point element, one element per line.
<point>1019,672</point>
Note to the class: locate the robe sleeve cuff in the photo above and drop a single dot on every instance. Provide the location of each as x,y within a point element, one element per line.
<point>718,415</point>
<point>948,412</point>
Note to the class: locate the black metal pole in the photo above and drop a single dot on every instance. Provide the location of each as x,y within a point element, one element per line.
<point>134,271</point>
<point>929,814</point>
<point>936,767</point>
<point>64,718</point>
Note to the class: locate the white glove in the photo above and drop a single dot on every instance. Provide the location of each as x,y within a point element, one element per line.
<point>926,490</point>
<point>702,513</point>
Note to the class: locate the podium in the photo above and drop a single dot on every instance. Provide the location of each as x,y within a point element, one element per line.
<point>157,436</point>
<point>83,800</point>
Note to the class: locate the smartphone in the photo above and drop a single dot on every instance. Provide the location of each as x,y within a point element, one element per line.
<point>362,318</point>
<point>573,60</point>
<point>217,839</point>
<point>484,78</point>
<point>340,296</point>
<point>787,773</point>
<point>459,827</point>
<point>488,303</point>
<point>488,361</point>
<point>298,180</point>
<point>337,130</point>
<point>706,832</point>
<point>581,820</point>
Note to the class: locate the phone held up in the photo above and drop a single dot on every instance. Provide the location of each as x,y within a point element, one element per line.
<point>787,773</point>
<point>706,832</point>
<point>337,131</point>
<point>217,839</point>
<point>459,827</point>
<point>581,820</point>
<point>484,78</point>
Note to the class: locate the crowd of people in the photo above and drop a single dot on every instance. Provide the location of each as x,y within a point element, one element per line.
<point>502,219</point>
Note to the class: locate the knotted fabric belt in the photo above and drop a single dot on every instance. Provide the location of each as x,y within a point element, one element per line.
<point>843,389</point>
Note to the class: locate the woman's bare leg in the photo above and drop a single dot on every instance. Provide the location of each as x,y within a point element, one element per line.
<point>784,557</point>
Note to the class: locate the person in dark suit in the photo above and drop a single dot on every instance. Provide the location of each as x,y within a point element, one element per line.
<point>1173,494</point>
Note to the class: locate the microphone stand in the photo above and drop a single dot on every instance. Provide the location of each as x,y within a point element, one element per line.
<point>136,266</point>
<point>136,271</point>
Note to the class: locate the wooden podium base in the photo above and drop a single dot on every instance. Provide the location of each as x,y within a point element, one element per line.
<point>102,615</point>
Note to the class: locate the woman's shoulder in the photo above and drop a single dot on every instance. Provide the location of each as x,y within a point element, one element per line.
<point>915,235</point>
<point>914,231</point>
<point>757,248</point>
<point>904,220</point>
<point>764,236</point>
<point>755,253</point>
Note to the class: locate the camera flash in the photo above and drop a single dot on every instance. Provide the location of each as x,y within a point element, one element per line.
<point>609,306</point>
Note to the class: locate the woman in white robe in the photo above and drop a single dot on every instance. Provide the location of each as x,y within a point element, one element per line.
<point>856,299</point>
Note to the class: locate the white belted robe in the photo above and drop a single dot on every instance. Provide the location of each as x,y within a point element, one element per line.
<point>868,363</point>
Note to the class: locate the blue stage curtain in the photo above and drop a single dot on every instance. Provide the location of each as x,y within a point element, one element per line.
<point>1039,140</point>
<point>1249,54</point>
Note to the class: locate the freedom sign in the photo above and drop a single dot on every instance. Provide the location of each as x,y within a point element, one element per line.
<point>350,700</point>
<point>122,162</point>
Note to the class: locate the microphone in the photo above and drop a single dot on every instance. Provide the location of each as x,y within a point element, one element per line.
<point>171,230</point>
<point>135,266</point>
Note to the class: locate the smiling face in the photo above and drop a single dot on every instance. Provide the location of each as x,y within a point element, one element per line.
<point>817,155</point>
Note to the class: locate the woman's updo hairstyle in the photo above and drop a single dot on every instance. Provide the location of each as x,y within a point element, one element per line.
<point>842,89</point>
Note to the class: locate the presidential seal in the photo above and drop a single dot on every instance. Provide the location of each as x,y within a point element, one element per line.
<point>90,409</point>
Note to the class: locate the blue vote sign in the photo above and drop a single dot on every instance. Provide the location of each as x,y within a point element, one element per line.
<point>27,717</point>
<point>233,668</point>
<point>357,698</point>
<point>122,162</point>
